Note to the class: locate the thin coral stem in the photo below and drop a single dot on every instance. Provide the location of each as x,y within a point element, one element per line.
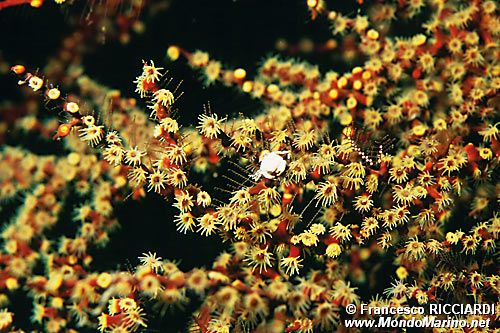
<point>12,3</point>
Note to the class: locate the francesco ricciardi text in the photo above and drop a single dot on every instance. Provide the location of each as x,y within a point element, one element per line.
<point>431,309</point>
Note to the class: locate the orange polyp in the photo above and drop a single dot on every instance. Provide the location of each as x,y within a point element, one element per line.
<point>240,286</point>
<point>138,193</point>
<point>495,146</point>
<point>36,3</point>
<point>62,131</point>
<point>295,326</point>
<point>18,69</point>
<point>270,273</point>
<point>416,73</point>
<point>488,40</point>
<point>357,70</point>
<point>330,239</point>
<point>360,98</point>
<point>294,251</point>
<point>240,74</point>
<point>149,86</point>
<point>342,82</point>
<point>333,94</point>
<point>312,3</point>
<point>433,192</point>
<point>257,188</point>
<point>331,44</point>
<point>472,153</point>
<point>176,281</point>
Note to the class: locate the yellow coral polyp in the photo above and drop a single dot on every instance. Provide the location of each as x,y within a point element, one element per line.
<point>372,34</point>
<point>173,53</point>
<point>342,82</point>
<point>351,103</point>
<point>72,107</point>
<point>240,73</point>
<point>36,3</point>
<point>357,85</point>
<point>419,40</point>
<point>74,158</point>
<point>247,86</point>
<point>333,250</point>
<point>419,130</point>
<point>377,154</point>
<point>104,280</point>
<point>402,273</point>
<point>333,94</point>
<point>12,283</point>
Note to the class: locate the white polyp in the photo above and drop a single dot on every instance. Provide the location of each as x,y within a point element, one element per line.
<point>272,165</point>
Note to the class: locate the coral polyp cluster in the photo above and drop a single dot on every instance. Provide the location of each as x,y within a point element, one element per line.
<point>377,185</point>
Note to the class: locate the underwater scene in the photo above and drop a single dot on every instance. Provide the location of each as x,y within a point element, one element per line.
<point>249,166</point>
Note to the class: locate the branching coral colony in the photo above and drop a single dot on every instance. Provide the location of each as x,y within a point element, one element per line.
<point>313,207</point>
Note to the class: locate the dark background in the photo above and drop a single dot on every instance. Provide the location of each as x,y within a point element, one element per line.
<point>238,33</point>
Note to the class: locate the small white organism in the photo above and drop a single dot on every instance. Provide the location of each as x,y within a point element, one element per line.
<point>272,165</point>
